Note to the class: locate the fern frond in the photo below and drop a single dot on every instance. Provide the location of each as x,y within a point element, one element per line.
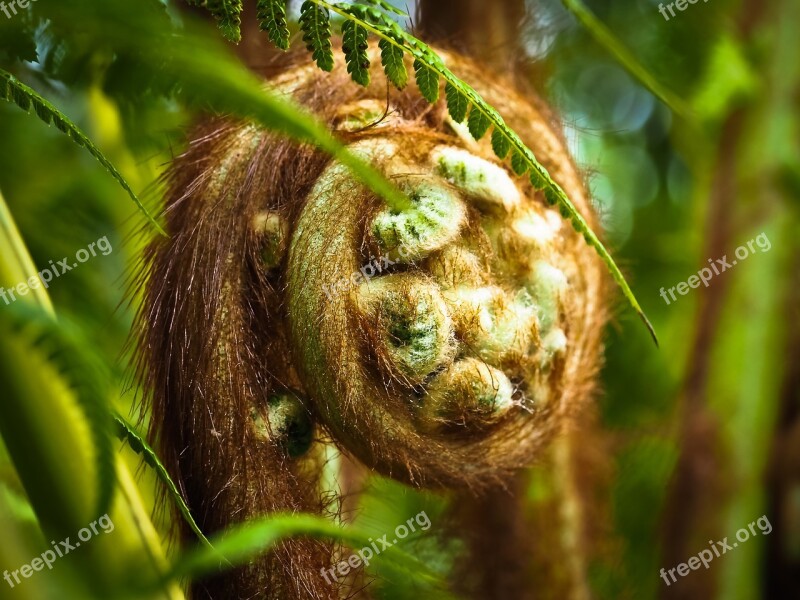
<point>62,346</point>
<point>13,90</point>
<point>427,81</point>
<point>354,46</point>
<point>271,15</point>
<point>393,64</point>
<point>126,432</point>
<point>457,103</point>
<point>228,14</point>
<point>316,26</point>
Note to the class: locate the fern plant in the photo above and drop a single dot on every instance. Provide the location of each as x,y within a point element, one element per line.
<point>372,17</point>
<point>13,90</point>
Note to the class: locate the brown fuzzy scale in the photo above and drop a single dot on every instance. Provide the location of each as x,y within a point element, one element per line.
<point>218,332</point>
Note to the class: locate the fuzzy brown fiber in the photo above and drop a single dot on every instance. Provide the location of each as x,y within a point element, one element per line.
<point>222,330</point>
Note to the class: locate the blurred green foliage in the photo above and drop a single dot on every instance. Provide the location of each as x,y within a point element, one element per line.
<point>671,192</point>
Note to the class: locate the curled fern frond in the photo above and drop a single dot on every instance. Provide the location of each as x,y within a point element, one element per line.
<point>228,15</point>
<point>13,90</point>
<point>61,344</point>
<point>369,16</point>
<point>354,46</point>
<point>126,432</point>
<point>271,16</point>
<point>315,23</point>
<point>429,69</point>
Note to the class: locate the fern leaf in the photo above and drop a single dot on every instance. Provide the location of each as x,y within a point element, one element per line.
<point>228,15</point>
<point>84,372</point>
<point>271,15</point>
<point>126,432</point>
<point>25,97</point>
<point>316,26</point>
<point>500,144</point>
<point>354,46</point>
<point>518,164</point>
<point>393,64</point>
<point>457,103</point>
<point>478,123</point>
<point>427,81</point>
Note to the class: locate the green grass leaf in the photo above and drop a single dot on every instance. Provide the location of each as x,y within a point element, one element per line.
<point>354,46</point>
<point>271,15</point>
<point>316,26</point>
<point>23,96</point>
<point>393,64</point>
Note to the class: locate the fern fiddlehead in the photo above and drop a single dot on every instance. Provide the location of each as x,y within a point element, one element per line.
<point>465,333</point>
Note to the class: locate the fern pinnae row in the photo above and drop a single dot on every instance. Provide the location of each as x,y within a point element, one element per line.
<point>126,432</point>
<point>23,96</point>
